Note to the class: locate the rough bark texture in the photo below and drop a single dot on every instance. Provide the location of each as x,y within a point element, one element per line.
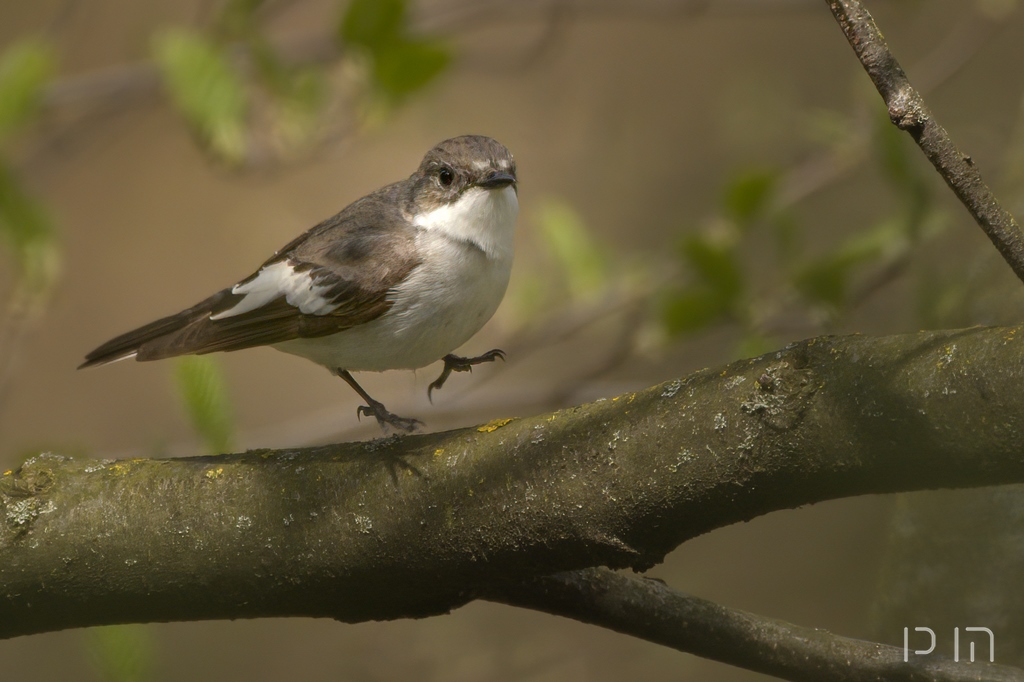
<point>417,525</point>
<point>908,111</point>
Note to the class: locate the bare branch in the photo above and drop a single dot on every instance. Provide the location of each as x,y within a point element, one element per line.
<point>650,610</point>
<point>908,112</point>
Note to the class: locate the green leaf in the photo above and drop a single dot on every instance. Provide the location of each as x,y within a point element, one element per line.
<point>748,195</point>
<point>25,68</point>
<point>307,89</point>
<point>22,219</point>
<point>372,23</point>
<point>207,91</point>
<point>272,71</point>
<point>299,93</point>
<point>122,653</point>
<point>691,310</point>
<point>28,230</point>
<point>884,238</point>
<point>826,280</point>
<point>205,397</point>
<point>300,106</point>
<point>715,264</point>
<point>400,68</point>
<point>570,243</point>
<point>712,259</point>
<point>237,18</point>
<point>399,64</point>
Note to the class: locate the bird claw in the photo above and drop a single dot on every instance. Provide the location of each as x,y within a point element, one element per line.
<point>376,409</point>
<point>386,419</point>
<point>455,363</point>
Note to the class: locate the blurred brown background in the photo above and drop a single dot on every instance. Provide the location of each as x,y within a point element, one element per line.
<point>635,115</point>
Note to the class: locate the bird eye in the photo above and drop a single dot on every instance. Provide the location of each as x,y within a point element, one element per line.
<point>446,177</point>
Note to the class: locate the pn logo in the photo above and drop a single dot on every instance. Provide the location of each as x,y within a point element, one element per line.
<point>956,643</point>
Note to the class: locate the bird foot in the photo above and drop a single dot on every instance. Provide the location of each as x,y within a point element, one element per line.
<point>385,419</point>
<point>455,363</point>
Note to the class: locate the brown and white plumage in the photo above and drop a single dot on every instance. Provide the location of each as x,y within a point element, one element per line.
<point>397,280</point>
<point>338,262</point>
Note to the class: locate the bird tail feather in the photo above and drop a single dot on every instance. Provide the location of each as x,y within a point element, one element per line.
<point>155,340</point>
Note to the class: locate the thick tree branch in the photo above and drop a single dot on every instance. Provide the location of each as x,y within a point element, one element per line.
<point>909,112</point>
<point>650,610</point>
<point>346,532</point>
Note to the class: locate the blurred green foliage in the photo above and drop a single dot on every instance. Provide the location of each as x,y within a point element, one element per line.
<point>714,263</point>
<point>122,653</point>
<point>826,279</point>
<point>25,67</point>
<point>369,23</point>
<point>574,270</point>
<point>26,227</point>
<point>401,64</point>
<point>28,231</point>
<point>728,276</point>
<point>717,285</point>
<point>205,88</point>
<point>692,309</point>
<point>753,259</point>
<point>583,266</point>
<point>908,176</point>
<point>298,93</point>
<point>234,88</point>
<point>204,396</point>
<point>748,194</point>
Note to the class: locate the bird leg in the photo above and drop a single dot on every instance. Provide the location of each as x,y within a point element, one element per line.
<point>376,409</point>
<point>454,363</point>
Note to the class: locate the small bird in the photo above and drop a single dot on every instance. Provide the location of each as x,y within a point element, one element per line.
<point>397,280</point>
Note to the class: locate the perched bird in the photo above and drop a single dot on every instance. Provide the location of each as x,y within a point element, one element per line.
<point>397,280</point>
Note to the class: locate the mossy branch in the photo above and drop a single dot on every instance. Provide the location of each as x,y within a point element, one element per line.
<point>413,526</point>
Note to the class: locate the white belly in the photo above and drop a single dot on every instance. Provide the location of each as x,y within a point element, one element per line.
<point>445,301</point>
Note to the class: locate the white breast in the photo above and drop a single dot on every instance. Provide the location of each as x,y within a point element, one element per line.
<point>466,250</point>
<point>486,218</point>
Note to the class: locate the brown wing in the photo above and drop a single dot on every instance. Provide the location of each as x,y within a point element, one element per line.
<point>338,275</point>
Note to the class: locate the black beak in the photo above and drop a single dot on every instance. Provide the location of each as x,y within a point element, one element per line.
<point>497,180</point>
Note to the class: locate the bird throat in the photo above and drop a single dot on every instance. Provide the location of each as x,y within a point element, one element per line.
<point>482,217</point>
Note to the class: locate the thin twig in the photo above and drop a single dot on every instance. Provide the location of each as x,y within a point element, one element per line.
<point>652,611</point>
<point>945,60</point>
<point>908,112</point>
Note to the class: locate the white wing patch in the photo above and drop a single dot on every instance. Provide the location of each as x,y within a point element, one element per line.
<point>277,280</point>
